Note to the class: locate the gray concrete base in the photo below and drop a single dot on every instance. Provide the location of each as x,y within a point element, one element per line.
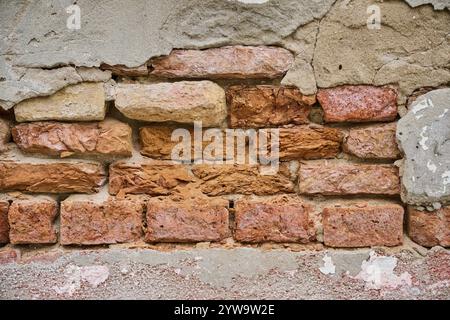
<point>219,273</point>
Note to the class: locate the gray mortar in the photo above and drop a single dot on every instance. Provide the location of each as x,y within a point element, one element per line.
<point>240,273</point>
<point>34,38</point>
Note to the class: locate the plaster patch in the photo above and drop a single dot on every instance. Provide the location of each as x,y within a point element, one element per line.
<point>378,273</point>
<point>328,266</point>
<point>75,276</point>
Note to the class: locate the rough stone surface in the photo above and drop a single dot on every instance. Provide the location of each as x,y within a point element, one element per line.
<point>107,138</point>
<point>233,273</point>
<point>278,219</point>
<point>429,229</point>
<point>154,178</point>
<point>409,50</point>
<point>437,4</point>
<point>187,220</point>
<point>121,70</point>
<point>31,221</point>
<point>184,102</point>
<point>358,104</point>
<point>265,106</point>
<point>423,135</point>
<point>363,226</point>
<point>373,142</point>
<point>309,142</point>
<point>340,178</point>
<point>5,134</point>
<point>241,62</point>
<point>81,102</point>
<point>50,176</point>
<point>89,222</point>
<point>242,179</point>
<point>4,226</point>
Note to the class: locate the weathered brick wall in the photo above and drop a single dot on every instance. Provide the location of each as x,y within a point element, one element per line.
<point>90,164</point>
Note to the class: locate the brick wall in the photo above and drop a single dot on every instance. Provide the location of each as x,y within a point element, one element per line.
<point>76,169</point>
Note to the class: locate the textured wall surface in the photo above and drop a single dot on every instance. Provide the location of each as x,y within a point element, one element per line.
<point>92,205</point>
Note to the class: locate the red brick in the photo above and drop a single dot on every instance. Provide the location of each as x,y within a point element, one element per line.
<point>153,178</point>
<point>51,177</point>
<point>342,178</point>
<point>358,103</point>
<point>429,229</point>
<point>240,62</point>
<point>309,142</point>
<point>31,221</point>
<point>106,138</point>
<point>277,219</point>
<point>4,225</point>
<point>187,220</point>
<point>373,142</point>
<point>242,179</point>
<point>363,226</point>
<point>9,255</point>
<point>267,106</point>
<point>85,222</point>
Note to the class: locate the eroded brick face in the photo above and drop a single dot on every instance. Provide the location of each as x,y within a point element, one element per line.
<point>341,178</point>
<point>31,221</point>
<point>107,138</point>
<point>147,178</point>
<point>373,142</point>
<point>358,103</point>
<point>85,222</point>
<point>429,228</point>
<point>239,62</point>
<point>51,177</point>
<point>187,220</point>
<point>4,225</point>
<point>267,106</point>
<point>242,179</point>
<point>277,219</point>
<point>363,226</point>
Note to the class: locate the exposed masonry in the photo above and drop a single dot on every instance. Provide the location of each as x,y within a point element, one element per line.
<point>111,181</point>
<point>45,57</point>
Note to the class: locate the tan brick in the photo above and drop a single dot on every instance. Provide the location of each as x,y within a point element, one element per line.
<point>341,178</point>
<point>187,220</point>
<point>183,102</point>
<point>107,138</point>
<point>429,229</point>
<point>363,225</point>
<point>80,102</point>
<point>31,221</point>
<point>358,103</point>
<point>153,178</point>
<point>278,219</point>
<point>88,222</point>
<point>373,142</point>
<point>51,177</point>
<point>267,106</point>
<point>309,142</point>
<point>4,225</point>
<point>4,134</point>
<point>240,62</point>
<point>242,179</point>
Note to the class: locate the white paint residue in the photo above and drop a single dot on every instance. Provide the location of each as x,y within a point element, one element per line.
<point>431,166</point>
<point>446,177</point>
<point>444,113</point>
<point>423,139</point>
<point>93,275</point>
<point>422,105</point>
<point>378,273</point>
<point>328,266</point>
